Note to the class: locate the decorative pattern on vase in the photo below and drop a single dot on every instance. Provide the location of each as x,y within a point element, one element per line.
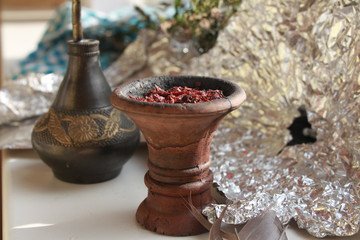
<point>83,128</point>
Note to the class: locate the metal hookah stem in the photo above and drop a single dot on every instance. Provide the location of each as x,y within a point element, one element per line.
<point>76,21</point>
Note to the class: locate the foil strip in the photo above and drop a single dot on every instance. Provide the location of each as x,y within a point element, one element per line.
<point>290,55</point>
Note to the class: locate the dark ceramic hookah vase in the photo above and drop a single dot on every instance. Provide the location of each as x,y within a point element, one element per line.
<point>82,138</point>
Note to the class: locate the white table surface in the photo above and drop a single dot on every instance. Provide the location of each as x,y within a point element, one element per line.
<point>37,206</point>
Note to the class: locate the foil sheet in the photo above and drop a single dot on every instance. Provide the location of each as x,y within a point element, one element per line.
<point>21,102</point>
<point>27,97</point>
<point>288,55</point>
<point>153,53</point>
<point>133,61</point>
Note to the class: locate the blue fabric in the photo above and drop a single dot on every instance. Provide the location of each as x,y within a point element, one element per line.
<point>51,53</point>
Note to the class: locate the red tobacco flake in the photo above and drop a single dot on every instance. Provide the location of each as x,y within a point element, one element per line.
<point>229,175</point>
<point>180,94</point>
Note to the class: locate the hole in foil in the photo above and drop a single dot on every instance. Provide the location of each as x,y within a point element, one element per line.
<point>301,130</point>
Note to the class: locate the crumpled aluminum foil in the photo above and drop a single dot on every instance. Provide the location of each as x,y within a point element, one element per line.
<point>133,60</point>
<point>27,97</point>
<point>21,102</point>
<point>287,55</point>
<point>152,54</point>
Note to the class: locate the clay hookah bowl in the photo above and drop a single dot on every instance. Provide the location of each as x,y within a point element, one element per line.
<point>178,137</point>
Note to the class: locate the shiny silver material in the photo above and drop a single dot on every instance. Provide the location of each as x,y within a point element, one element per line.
<point>21,102</point>
<point>27,97</point>
<point>289,54</point>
